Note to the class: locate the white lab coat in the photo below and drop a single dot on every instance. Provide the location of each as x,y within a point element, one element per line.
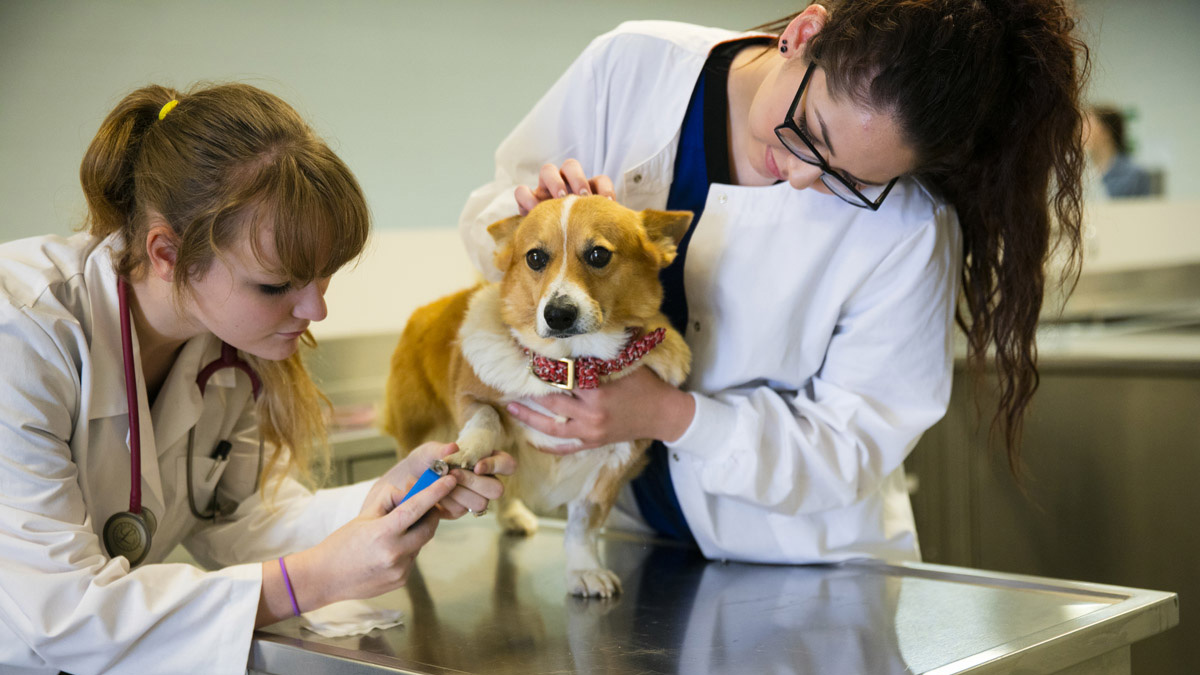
<point>64,469</point>
<point>820,332</point>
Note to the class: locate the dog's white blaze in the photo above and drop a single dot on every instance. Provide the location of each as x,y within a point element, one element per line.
<point>555,286</point>
<point>563,222</point>
<point>589,313</point>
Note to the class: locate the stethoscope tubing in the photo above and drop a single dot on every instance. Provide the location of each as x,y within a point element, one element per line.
<point>228,359</point>
<point>131,396</point>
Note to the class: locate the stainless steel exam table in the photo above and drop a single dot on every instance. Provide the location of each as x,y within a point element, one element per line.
<point>483,602</point>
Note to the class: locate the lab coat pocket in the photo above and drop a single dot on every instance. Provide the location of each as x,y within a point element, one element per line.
<point>646,185</point>
<point>206,474</point>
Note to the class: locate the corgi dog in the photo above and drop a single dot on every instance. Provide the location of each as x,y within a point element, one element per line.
<point>578,305</point>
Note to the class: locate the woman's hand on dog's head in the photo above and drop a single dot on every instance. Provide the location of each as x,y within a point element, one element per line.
<point>555,181</point>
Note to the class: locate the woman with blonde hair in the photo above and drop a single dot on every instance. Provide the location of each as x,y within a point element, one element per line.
<point>153,395</point>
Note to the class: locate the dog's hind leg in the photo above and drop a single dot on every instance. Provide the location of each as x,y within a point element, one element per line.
<point>413,414</point>
<point>515,517</point>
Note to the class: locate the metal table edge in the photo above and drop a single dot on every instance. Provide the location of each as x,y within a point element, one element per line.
<point>271,653</point>
<point>1137,614</point>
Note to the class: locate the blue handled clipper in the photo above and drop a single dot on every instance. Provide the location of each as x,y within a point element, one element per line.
<point>426,479</point>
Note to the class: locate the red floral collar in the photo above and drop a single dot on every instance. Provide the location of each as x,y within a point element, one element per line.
<point>585,372</point>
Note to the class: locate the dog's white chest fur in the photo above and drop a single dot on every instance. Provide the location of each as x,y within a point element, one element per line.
<point>491,349</point>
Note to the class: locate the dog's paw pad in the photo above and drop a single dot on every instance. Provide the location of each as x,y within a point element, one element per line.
<point>593,583</point>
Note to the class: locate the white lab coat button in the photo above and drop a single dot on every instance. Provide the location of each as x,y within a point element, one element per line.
<point>675,456</point>
<point>723,198</point>
<point>696,326</point>
<point>637,177</point>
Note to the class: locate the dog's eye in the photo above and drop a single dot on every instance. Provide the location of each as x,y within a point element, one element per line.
<point>537,259</point>
<point>598,256</point>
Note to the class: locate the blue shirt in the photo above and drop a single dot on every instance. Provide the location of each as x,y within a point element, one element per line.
<point>704,125</point>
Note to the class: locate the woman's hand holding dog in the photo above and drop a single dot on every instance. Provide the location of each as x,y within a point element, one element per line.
<point>555,181</point>
<point>373,553</point>
<point>637,406</point>
<point>473,489</point>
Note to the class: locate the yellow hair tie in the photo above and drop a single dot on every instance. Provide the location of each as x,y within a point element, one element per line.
<point>167,108</point>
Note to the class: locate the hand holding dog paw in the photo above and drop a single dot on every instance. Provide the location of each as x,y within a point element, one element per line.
<point>405,473</point>
<point>555,181</point>
<point>478,487</point>
<point>475,487</point>
<point>473,446</point>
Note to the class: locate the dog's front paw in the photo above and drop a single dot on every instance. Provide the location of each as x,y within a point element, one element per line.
<point>596,582</point>
<point>461,460</point>
<point>472,447</point>
<point>516,518</point>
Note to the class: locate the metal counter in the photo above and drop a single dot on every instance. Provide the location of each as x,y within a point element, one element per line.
<point>483,602</point>
<point>1108,492</point>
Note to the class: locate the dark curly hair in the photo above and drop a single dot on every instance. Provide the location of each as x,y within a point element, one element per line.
<point>988,94</point>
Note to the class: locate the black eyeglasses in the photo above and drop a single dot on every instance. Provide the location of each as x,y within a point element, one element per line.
<point>797,142</point>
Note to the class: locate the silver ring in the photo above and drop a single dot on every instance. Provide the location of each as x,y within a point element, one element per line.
<point>478,513</point>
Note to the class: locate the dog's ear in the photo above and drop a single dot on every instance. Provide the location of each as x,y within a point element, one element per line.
<point>502,232</point>
<point>666,230</point>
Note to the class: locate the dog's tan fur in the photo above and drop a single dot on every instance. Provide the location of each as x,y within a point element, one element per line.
<point>459,360</point>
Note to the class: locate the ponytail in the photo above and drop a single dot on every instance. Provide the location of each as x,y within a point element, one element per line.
<point>1019,197</point>
<point>107,171</point>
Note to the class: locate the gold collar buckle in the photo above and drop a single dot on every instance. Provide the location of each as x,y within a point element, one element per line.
<point>570,383</point>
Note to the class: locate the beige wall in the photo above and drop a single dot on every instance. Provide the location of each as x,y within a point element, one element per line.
<point>400,271</point>
<point>414,94</point>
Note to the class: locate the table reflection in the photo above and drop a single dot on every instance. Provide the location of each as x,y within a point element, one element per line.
<point>483,602</point>
<point>503,608</point>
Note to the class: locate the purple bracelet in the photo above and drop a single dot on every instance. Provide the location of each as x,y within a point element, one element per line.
<point>288,582</point>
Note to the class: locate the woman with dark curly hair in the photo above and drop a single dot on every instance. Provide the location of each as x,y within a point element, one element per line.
<point>864,173</point>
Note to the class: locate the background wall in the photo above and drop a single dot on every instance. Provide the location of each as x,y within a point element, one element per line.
<point>1145,60</point>
<point>415,96</point>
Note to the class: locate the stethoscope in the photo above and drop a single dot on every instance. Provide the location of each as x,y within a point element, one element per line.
<point>128,533</point>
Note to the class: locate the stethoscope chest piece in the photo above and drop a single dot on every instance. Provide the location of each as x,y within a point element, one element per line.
<point>129,534</point>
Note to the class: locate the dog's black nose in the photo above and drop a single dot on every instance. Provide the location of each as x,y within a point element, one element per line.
<point>560,315</point>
